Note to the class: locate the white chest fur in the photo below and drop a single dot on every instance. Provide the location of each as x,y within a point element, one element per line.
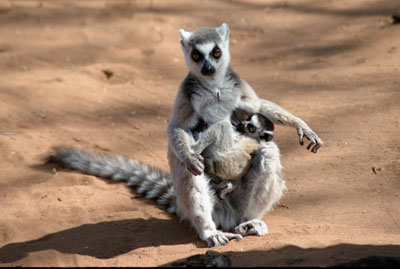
<point>216,104</point>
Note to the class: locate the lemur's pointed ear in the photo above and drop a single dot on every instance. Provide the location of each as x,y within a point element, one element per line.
<point>223,31</point>
<point>269,125</point>
<point>184,37</point>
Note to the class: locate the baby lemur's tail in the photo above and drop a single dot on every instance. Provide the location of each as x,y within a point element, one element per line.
<point>146,179</point>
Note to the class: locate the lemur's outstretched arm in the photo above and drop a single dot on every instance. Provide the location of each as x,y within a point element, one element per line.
<point>252,104</point>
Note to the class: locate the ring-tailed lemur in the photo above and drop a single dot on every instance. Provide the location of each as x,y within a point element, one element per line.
<point>211,92</point>
<point>227,150</point>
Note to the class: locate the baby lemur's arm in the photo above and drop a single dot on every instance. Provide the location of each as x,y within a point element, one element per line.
<point>219,136</point>
<point>252,104</point>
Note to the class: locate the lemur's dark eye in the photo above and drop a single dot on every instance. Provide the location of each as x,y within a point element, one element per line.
<point>196,55</point>
<point>251,128</point>
<point>216,53</point>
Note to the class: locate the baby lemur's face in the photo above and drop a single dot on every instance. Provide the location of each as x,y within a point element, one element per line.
<point>257,126</point>
<point>206,50</point>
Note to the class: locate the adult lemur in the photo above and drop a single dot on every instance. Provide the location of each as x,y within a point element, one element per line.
<point>211,92</point>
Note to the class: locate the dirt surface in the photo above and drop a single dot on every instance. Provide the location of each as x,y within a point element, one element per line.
<point>103,75</point>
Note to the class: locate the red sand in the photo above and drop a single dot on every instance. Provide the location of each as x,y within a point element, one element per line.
<point>335,64</point>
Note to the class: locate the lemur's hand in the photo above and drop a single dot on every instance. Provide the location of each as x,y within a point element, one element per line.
<point>305,131</point>
<point>194,163</point>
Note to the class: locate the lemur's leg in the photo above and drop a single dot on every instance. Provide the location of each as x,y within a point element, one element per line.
<point>219,135</point>
<point>261,188</point>
<point>195,202</point>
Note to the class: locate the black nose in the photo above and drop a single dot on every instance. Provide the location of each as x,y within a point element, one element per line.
<point>207,69</point>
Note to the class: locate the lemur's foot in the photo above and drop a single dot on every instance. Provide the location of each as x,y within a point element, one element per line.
<point>218,238</point>
<point>252,227</point>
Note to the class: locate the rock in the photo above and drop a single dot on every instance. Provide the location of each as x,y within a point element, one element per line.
<point>209,259</point>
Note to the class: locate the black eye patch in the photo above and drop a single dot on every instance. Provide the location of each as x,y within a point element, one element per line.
<point>251,128</point>
<point>196,55</point>
<point>216,53</point>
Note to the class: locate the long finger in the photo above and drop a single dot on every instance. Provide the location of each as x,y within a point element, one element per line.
<point>312,140</point>
<point>217,241</point>
<point>223,240</point>
<point>200,165</point>
<point>234,236</point>
<point>316,147</point>
<point>201,159</point>
<point>301,135</point>
<point>310,145</point>
<point>194,171</point>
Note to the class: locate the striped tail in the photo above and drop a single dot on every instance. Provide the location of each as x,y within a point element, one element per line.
<point>146,179</point>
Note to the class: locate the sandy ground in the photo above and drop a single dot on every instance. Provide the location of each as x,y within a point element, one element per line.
<point>335,64</point>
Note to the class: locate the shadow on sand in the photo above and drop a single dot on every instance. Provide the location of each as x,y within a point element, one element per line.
<point>347,255</point>
<point>103,240</point>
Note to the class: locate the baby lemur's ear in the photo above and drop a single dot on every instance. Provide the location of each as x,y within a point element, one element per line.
<point>249,117</point>
<point>184,37</point>
<point>268,125</point>
<point>223,31</point>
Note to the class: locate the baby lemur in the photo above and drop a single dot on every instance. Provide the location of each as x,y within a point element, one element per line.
<point>227,150</point>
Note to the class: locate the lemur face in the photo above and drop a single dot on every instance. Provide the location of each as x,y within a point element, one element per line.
<point>206,50</point>
<point>257,126</point>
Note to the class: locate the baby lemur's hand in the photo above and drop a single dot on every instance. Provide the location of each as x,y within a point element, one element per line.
<point>194,163</point>
<point>315,141</point>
